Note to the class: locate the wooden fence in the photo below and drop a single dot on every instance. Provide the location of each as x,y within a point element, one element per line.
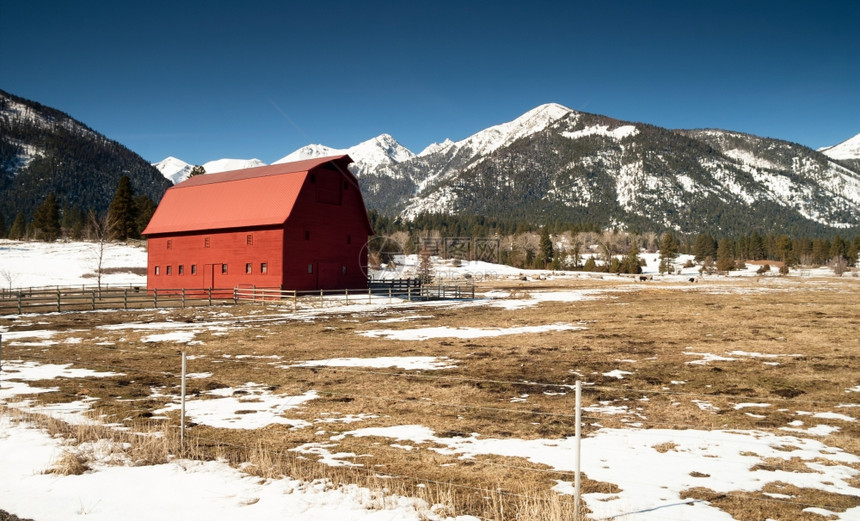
<point>59,299</point>
<point>46,300</point>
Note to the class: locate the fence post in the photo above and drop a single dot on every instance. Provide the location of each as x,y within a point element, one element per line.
<point>321,298</point>
<point>182,399</point>
<point>58,300</point>
<point>576,451</point>
<point>409,292</point>
<point>389,294</point>
<point>183,297</point>
<point>210,296</point>
<point>20,296</point>
<point>236,295</point>
<point>369,299</point>
<point>155,298</point>
<point>93,298</point>
<point>346,294</point>
<point>125,298</point>
<point>295,300</point>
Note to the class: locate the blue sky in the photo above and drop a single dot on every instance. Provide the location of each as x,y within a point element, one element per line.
<point>203,81</point>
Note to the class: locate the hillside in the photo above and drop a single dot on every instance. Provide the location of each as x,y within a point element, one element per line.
<point>43,150</point>
<point>590,168</point>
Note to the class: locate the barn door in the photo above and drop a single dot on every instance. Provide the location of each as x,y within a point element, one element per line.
<point>209,275</point>
<point>327,278</point>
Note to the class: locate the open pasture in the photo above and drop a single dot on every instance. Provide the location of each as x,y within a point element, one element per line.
<point>735,397</point>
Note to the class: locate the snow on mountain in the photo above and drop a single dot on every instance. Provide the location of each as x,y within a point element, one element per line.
<point>224,165</point>
<point>310,152</point>
<point>432,148</point>
<point>370,155</point>
<point>175,170</point>
<point>848,149</point>
<point>438,162</point>
<point>497,136</point>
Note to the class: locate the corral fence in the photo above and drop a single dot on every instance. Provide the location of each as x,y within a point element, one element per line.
<point>91,298</point>
<point>376,291</point>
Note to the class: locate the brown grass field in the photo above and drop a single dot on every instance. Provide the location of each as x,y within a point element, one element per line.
<point>654,324</point>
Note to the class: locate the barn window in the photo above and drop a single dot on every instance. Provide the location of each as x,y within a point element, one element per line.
<point>343,270</point>
<point>307,235</point>
<point>168,270</point>
<point>223,269</point>
<point>181,270</point>
<point>169,244</point>
<point>206,242</point>
<point>194,269</point>
<point>157,270</point>
<point>249,267</point>
<point>264,268</point>
<point>249,239</point>
<point>310,268</point>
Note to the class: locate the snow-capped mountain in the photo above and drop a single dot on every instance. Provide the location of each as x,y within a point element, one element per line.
<point>847,150</point>
<point>560,164</point>
<point>175,170</point>
<point>224,165</point>
<point>370,155</point>
<point>557,163</point>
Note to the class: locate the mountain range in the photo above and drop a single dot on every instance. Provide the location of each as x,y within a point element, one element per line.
<point>554,163</point>
<point>551,164</point>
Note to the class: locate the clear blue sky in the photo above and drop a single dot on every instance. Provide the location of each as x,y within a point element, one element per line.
<point>243,79</point>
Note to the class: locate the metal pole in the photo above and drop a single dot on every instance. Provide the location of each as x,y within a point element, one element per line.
<point>578,436</point>
<point>182,399</point>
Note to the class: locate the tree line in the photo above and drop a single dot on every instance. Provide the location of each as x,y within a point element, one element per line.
<point>126,217</point>
<point>587,246</point>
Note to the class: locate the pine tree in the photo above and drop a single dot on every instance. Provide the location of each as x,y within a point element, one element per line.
<point>590,265</point>
<point>630,263</point>
<point>725,255</point>
<point>197,170</point>
<point>19,228</point>
<point>784,251</point>
<point>704,247</point>
<point>122,212</point>
<point>144,208</point>
<point>668,252</point>
<point>425,266</point>
<point>546,248</point>
<point>46,219</point>
<point>2,225</point>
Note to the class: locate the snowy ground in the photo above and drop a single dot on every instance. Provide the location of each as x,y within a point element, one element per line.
<point>718,460</point>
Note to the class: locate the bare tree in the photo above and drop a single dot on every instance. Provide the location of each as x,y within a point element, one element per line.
<point>9,277</point>
<point>101,235</point>
<point>839,265</point>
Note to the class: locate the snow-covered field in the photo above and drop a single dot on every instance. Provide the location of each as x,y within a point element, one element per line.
<point>720,460</point>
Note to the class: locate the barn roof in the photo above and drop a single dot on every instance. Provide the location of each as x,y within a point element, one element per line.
<point>261,196</point>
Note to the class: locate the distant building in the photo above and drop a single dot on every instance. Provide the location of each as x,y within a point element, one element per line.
<point>300,225</point>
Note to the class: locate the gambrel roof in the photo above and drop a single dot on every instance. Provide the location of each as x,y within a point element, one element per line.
<point>252,197</point>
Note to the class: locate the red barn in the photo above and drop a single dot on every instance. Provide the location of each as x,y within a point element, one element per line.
<point>300,225</point>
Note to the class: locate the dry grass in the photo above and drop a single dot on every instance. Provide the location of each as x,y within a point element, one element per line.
<point>649,330</point>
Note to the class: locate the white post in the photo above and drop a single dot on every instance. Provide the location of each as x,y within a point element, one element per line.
<point>578,437</point>
<point>182,413</point>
